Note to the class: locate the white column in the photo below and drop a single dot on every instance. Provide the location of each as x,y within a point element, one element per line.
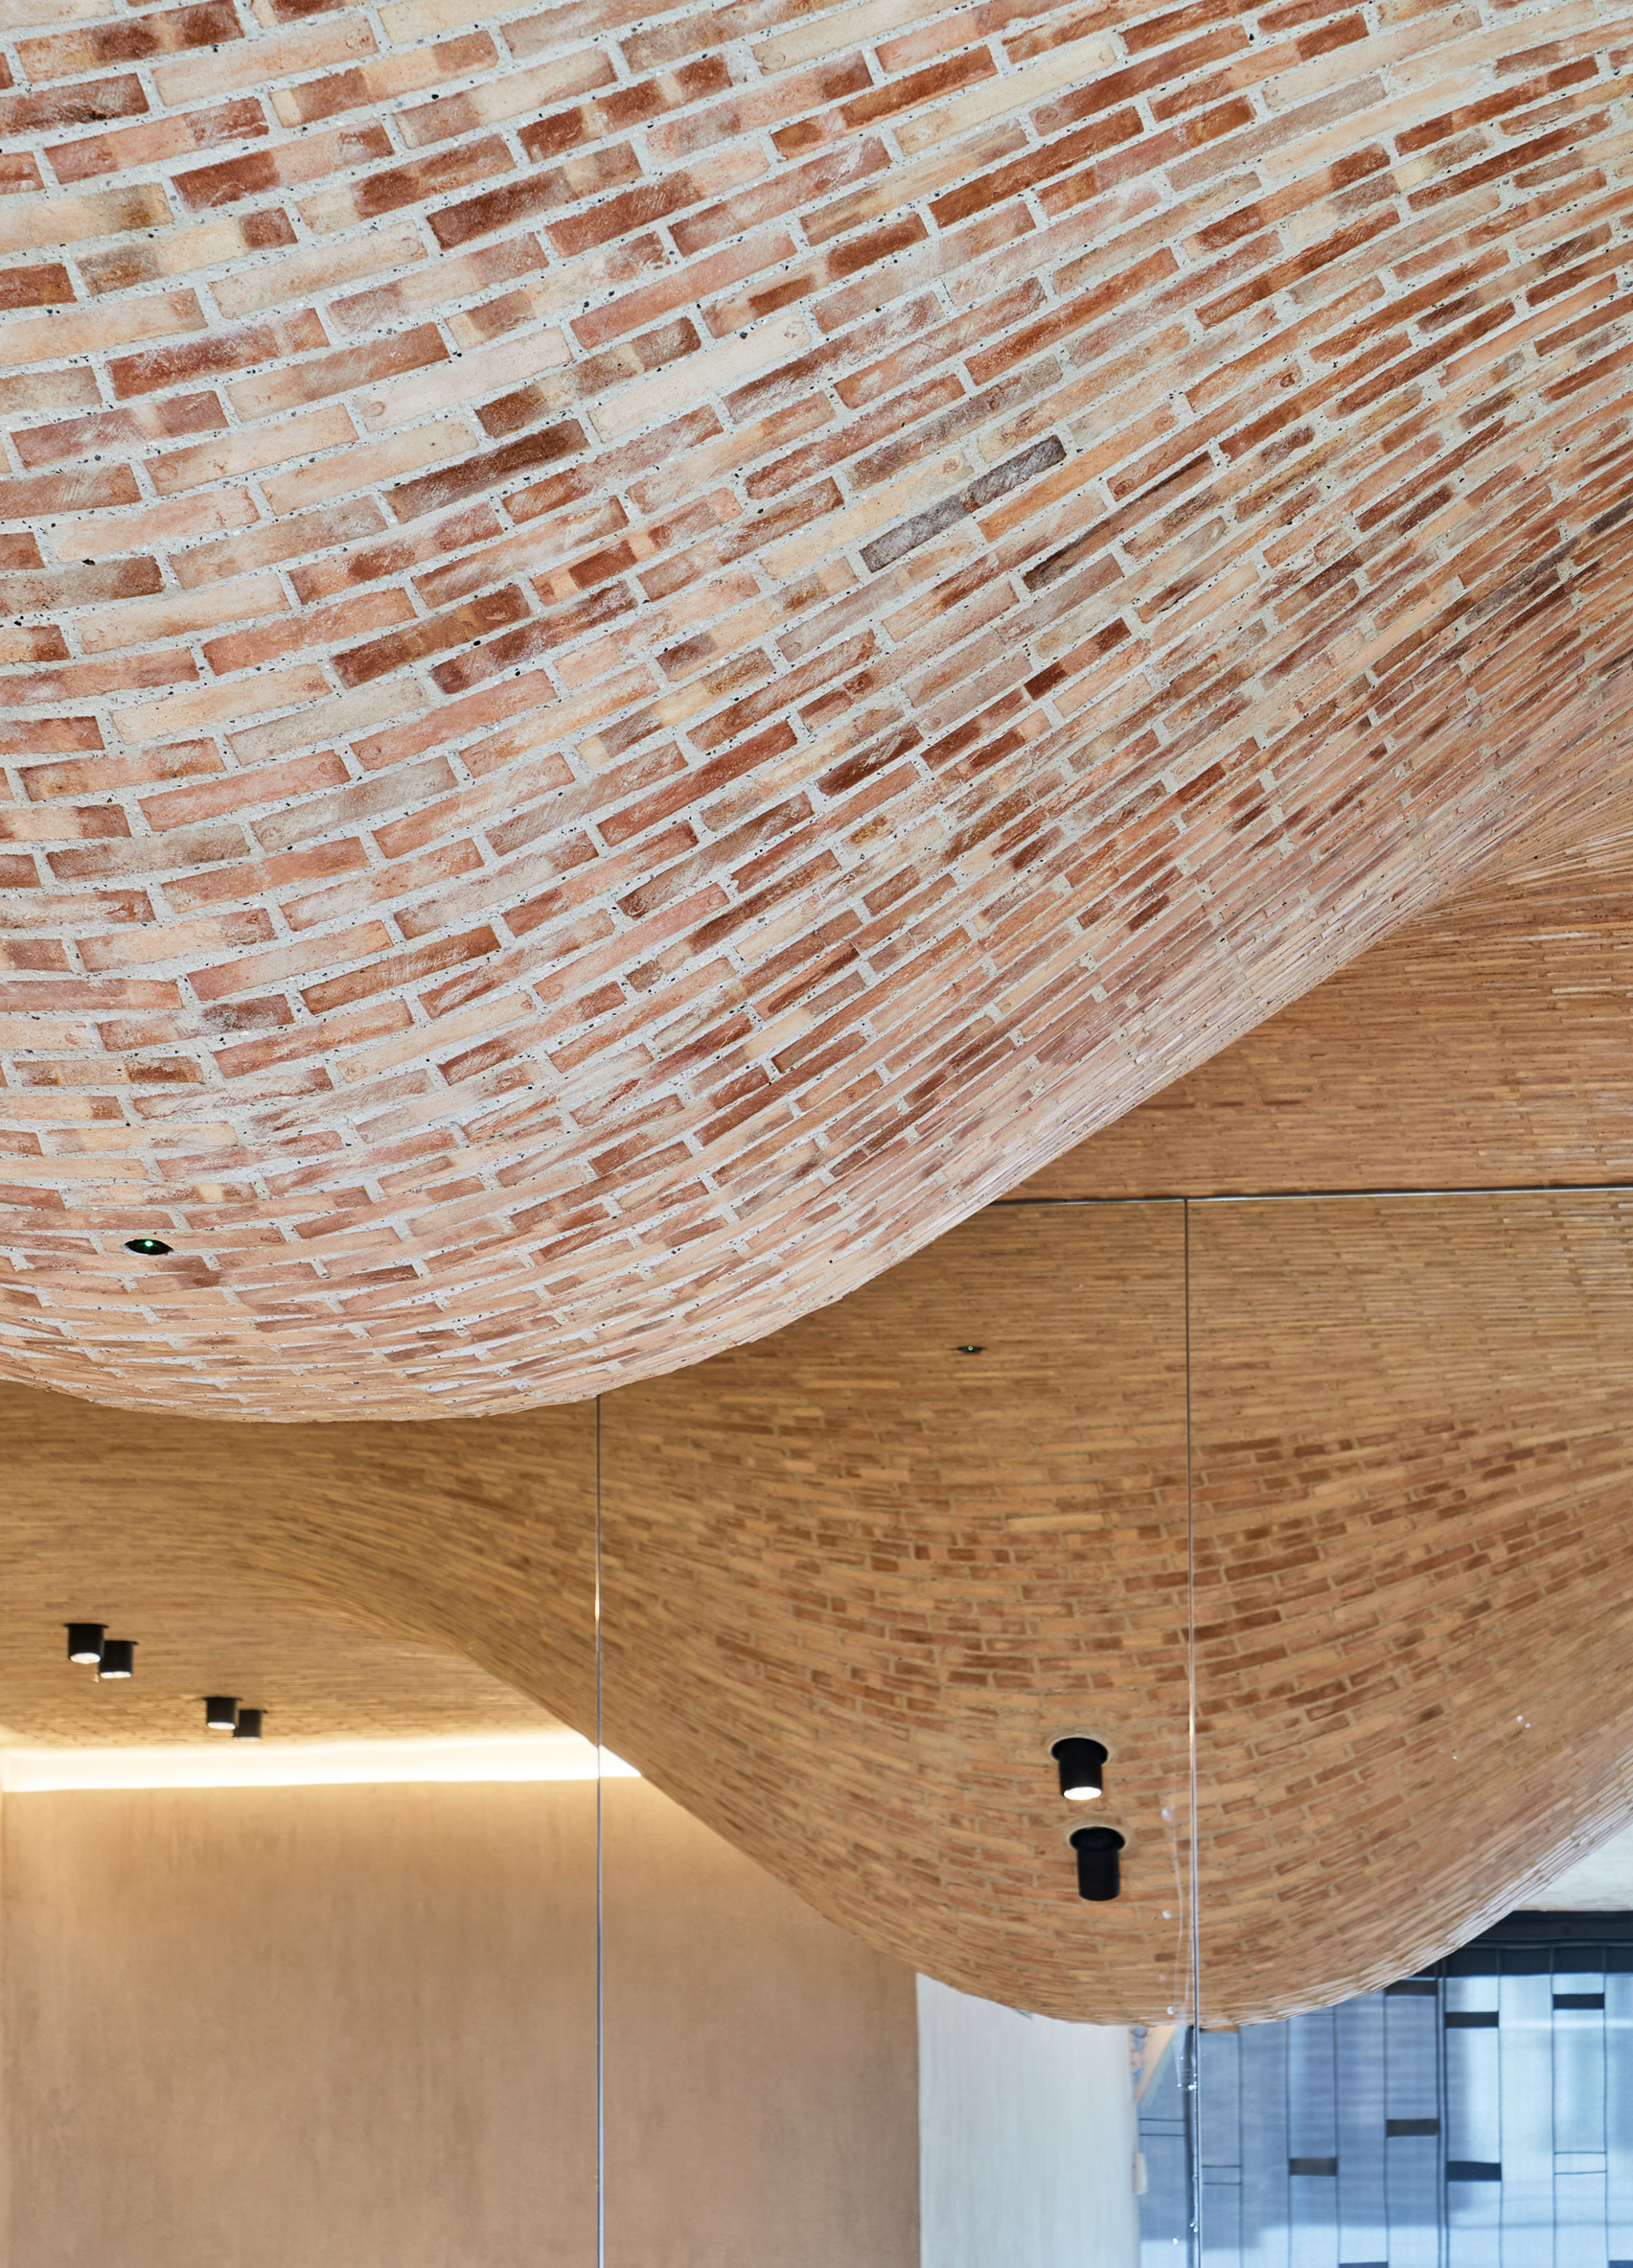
<point>1026,2139</point>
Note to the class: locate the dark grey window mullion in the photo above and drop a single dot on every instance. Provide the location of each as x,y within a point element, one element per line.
<point>1332,2065</point>
<point>1389,2097</point>
<point>1442,2104</point>
<point>1287,2129</point>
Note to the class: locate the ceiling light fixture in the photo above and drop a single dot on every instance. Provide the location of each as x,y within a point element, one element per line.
<point>220,1713</point>
<point>1100,1868</point>
<point>117,1658</point>
<point>248,1725</point>
<point>969,1349</point>
<point>1080,1761</point>
<point>149,1247</point>
<point>86,1640</point>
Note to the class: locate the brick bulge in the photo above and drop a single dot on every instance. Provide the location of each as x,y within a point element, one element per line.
<point>648,654</point>
<point>854,1582</point>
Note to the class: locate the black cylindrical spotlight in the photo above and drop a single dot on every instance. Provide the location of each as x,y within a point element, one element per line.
<point>248,1725</point>
<point>220,1713</point>
<point>1080,1762</point>
<point>149,1247</point>
<point>117,1658</point>
<point>86,1640</point>
<point>1099,1871</point>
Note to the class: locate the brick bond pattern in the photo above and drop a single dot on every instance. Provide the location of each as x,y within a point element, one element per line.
<point>89,1533</point>
<point>854,1581</point>
<point>1482,1047</point>
<point>648,654</point>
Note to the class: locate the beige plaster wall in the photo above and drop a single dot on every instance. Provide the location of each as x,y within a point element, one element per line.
<point>355,2027</point>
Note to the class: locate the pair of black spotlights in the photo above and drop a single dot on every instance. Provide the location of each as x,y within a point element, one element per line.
<point>89,1644</point>
<point>222,1714</point>
<point>1082,1762</point>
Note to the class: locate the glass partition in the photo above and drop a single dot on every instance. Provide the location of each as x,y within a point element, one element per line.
<point>1303,1519</point>
<point>1407,1468</point>
<point>857,1580</point>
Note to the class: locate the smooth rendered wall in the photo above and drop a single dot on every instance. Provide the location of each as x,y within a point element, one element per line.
<point>1027,2138</point>
<point>355,2027</point>
<point>761,2065</point>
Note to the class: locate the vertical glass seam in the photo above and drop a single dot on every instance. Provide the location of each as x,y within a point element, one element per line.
<point>1193,2074</point>
<point>1443,2105</point>
<point>600,1898</point>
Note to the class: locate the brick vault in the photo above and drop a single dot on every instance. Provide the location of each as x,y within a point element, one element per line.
<point>648,654</point>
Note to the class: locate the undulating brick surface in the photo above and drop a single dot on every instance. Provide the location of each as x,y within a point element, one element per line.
<point>854,1581</point>
<point>1413,1597</point>
<point>282,1568</point>
<point>105,1520</point>
<point>648,652</point>
<point>1484,1046</point>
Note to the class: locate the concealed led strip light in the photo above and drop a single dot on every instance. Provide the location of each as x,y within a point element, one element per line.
<point>310,1764</point>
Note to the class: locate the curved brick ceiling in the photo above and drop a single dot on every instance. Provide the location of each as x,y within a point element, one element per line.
<point>649,654</point>
<point>853,1582</point>
<point>1482,1047</point>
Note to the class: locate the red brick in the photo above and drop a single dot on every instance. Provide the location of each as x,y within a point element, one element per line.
<point>484,473</point>
<point>308,159</point>
<point>159,31</point>
<point>84,105</point>
<point>537,193</point>
<point>403,185</point>
<point>433,635</point>
<point>233,349</point>
<point>155,141</point>
<point>47,285</point>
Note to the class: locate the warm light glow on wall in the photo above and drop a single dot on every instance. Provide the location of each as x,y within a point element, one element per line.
<point>559,1755</point>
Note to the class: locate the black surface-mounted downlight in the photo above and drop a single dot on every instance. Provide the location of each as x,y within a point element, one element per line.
<point>971,1350</point>
<point>149,1247</point>
<point>248,1725</point>
<point>117,1658</point>
<point>1080,1764</point>
<point>86,1640</point>
<point>220,1713</point>
<point>1100,1868</point>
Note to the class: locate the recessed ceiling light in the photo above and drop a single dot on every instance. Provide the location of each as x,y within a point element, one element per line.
<point>1099,1869</point>
<point>117,1658</point>
<point>220,1713</point>
<point>1080,1761</point>
<point>149,1247</point>
<point>248,1725</point>
<point>86,1640</point>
